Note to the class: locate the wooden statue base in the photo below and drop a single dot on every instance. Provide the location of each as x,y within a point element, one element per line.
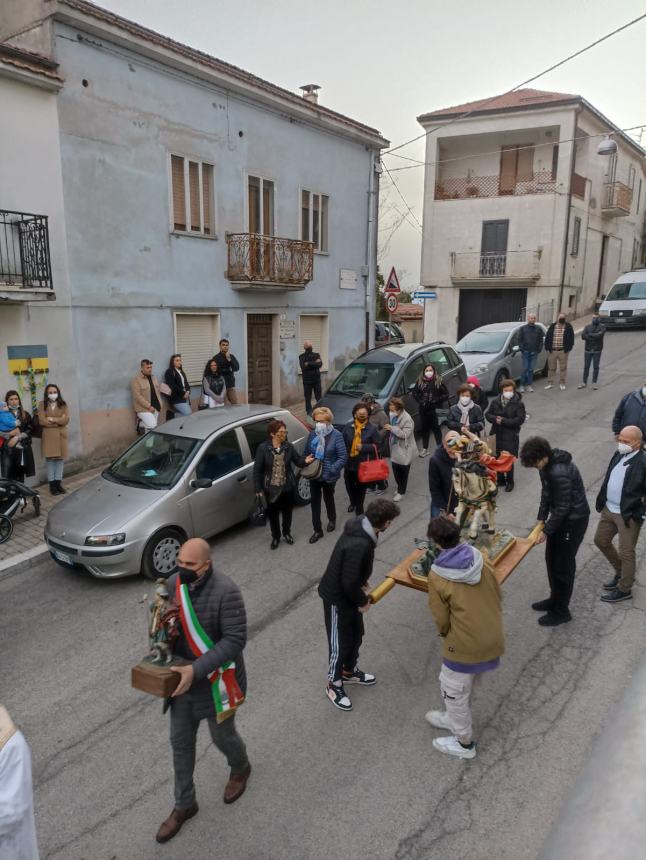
<point>155,679</point>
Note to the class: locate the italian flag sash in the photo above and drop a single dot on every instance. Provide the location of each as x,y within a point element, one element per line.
<point>226,692</point>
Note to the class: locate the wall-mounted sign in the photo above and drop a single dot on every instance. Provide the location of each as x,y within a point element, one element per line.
<point>287,329</point>
<point>347,279</point>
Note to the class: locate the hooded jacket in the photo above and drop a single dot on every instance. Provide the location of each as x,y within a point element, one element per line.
<point>631,412</point>
<point>466,603</point>
<point>563,494</point>
<point>349,568</point>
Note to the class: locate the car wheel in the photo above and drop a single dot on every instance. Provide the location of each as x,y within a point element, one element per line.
<point>303,494</point>
<point>159,560</point>
<point>502,374</point>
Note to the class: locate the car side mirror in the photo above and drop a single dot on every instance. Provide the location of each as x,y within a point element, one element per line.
<point>603,297</point>
<point>201,483</point>
<point>411,387</point>
<point>515,348</point>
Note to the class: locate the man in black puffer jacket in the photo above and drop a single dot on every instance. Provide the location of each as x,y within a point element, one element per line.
<point>219,609</point>
<point>345,599</point>
<point>565,512</point>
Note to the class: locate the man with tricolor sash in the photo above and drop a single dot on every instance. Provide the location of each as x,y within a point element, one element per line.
<point>213,633</point>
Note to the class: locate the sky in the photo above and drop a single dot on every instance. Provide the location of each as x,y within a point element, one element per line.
<point>385,63</point>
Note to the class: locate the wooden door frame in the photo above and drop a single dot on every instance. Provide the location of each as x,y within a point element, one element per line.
<point>275,352</point>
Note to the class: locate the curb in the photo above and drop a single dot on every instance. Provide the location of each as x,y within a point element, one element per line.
<point>23,561</point>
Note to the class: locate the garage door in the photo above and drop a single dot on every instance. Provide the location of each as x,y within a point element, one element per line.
<point>481,307</point>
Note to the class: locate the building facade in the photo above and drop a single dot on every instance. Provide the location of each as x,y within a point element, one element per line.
<point>200,202</point>
<point>521,213</point>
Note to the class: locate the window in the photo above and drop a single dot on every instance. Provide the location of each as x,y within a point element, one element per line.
<point>576,237</point>
<point>639,196</point>
<point>516,165</point>
<point>192,196</point>
<point>196,338</point>
<point>221,458</point>
<point>413,371</point>
<point>261,206</point>
<point>361,378</point>
<point>154,462</point>
<point>439,360</point>
<point>314,210</point>
<point>631,177</point>
<point>555,160</point>
<point>635,257</point>
<point>256,433</point>
<point>314,327</point>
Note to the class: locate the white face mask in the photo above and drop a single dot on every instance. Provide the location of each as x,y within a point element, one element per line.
<point>644,391</point>
<point>52,397</point>
<point>508,395</point>
<point>623,448</point>
<point>429,374</point>
<point>464,400</point>
<point>393,416</point>
<point>319,426</point>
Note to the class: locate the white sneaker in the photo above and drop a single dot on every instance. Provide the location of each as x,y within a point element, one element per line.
<point>521,389</point>
<point>562,387</point>
<point>452,746</point>
<point>548,386</point>
<point>423,452</point>
<point>439,719</point>
<point>529,388</point>
<point>397,497</point>
<point>595,387</point>
<point>583,385</point>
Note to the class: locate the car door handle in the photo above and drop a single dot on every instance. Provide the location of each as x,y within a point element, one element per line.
<point>242,479</point>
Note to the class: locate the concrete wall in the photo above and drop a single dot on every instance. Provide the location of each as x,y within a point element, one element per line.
<point>129,272</point>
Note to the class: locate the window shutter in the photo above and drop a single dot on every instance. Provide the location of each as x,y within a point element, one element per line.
<point>508,161</point>
<point>194,190</point>
<point>525,163</point>
<point>313,327</point>
<point>196,340</point>
<point>177,183</point>
<point>207,185</point>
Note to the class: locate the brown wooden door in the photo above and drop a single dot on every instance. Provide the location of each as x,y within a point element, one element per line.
<point>259,357</point>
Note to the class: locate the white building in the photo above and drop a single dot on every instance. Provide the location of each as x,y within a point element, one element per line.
<point>520,212</point>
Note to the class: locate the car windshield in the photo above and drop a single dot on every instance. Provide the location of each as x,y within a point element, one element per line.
<point>153,462</point>
<point>361,378</point>
<point>624,292</point>
<point>483,341</point>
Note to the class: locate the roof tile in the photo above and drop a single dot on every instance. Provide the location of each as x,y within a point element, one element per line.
<point>507,101</point>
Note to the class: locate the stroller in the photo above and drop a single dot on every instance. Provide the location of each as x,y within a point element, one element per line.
<point>14,496</point>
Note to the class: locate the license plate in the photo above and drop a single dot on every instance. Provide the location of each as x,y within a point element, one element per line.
<point>62,556</point>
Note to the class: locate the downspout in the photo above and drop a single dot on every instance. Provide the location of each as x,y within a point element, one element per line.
<point>577,111</point>
<point>371,249</point>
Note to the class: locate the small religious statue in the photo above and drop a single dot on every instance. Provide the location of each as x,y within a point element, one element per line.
<point>163,625</point>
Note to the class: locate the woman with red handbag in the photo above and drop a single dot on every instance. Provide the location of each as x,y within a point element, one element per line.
<point>402,445</point>
<point>361,441</point>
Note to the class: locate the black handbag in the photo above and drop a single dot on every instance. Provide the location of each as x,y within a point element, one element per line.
<point>258,513</point>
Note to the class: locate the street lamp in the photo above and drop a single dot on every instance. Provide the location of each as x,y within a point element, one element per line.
<point>608,146</point>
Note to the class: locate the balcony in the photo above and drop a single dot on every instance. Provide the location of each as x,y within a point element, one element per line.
<point>25,265</point>
<point>471,187</point>
<point>256,262</point>
<point>514,267</point>
<point>616,200</point>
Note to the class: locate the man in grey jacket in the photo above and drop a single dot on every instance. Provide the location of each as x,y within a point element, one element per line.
<point>219,608</point>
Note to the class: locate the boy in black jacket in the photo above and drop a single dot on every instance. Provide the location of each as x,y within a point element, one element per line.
<point>343,589</point>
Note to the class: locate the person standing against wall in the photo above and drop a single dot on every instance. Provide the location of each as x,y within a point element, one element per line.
<point>559,342</point>
<point>53,418</point>
<point>311,363</point>
<point>212,386</point>
<point>530,340</point>
<point>592,334</point>
<point>146,396</point>
<point>229,366</point>
<point>180,391</point>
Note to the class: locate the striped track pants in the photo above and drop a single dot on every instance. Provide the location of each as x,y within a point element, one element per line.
<point>344,628</point>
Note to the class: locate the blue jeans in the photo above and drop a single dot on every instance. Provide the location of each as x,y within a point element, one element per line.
<point>529,362</point>
<point>54,468</point>
<point>182,408</point>
<point>436,510</point>
<point>591,358</point>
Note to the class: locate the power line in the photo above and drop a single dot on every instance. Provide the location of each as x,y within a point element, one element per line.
<point>408,208</point>
<point>519,86</point>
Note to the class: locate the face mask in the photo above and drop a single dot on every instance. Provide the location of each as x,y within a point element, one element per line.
<point>623,448</point>
<point>595,320</point>
<point>465,400</point>
<point>429,374</point>
<point>14,408</point>
<point>319,427</point>
<point>393,416</point>
<point>186,576</point>
<point>361,420</point>
<point>561,320</point>
<point>308,349</point>
<point>52,397</point>
<point>644,391</point>
<point>508,395</point>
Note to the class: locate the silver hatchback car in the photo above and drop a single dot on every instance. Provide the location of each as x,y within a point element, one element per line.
<point>192,477</point>
<point>492,353</point>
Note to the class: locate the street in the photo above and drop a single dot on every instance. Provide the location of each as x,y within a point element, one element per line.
<point>365,784</point>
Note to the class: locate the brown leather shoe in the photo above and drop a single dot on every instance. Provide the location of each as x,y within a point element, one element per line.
<point>236,785</point>
<point>174,822</point>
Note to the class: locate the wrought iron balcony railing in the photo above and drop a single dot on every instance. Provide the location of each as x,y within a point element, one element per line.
<point>518,266</point>
<point>256,259</point>
<point>464,188</point>
<point>24,251</point>
<point>617,199</point>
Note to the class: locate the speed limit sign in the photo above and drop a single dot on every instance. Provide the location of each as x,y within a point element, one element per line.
<point>391,303</point>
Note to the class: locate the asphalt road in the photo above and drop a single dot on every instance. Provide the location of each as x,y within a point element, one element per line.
<point>366,784</point>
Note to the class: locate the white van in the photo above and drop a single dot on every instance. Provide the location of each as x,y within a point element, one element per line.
<point>625,302</point>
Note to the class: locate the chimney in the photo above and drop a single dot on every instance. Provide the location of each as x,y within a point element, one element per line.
<point>310,93</point>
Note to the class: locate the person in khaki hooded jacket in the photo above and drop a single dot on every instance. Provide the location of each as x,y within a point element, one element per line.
<point>17,826</point>
<point>464,597</point>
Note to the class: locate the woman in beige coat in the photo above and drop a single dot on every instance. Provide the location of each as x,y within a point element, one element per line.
<point>53,418</point>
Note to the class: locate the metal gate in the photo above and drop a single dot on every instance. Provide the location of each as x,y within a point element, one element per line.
<point>481,307</point>
<point>259,358</point>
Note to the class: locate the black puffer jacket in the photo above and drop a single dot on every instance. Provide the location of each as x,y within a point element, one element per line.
<point>563,494</point>
<point>264,463</point>
<point>440,480</point>
<point>349,567</point>
<point>633,493</point>
<point>220,609</point>
<point>512,413</point>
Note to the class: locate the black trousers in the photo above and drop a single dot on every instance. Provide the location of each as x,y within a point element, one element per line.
<point>560,558</point>
<point>430,422</point>
<point>284,505</point>
<point>318,489</point>
<point>356,490</point>
<point>310,388</point>
<point>400,474</point>
<point>505,477</point>
<point>344,628</point>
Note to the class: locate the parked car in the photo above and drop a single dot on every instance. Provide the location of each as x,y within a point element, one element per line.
<point>492,353</point>
<point>386,332</point>
<point>192,477</point>
<point>625,303</point>
<point>391,371</point>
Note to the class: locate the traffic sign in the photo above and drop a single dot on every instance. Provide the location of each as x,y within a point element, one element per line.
<point>392,284</point>
<point>424,294</point>
<point>391,303</point>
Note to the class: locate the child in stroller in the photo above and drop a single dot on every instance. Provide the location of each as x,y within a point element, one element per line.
<point>14,496</point>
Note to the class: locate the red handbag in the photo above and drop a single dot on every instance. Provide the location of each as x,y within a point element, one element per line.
<point>371,471</point>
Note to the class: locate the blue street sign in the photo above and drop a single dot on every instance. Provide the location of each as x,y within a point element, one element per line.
<point>424,294</point>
